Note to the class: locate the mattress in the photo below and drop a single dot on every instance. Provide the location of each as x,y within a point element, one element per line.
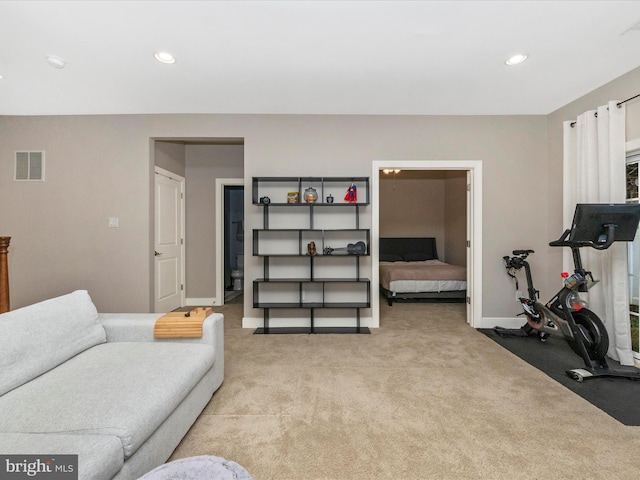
<point>422,276</point>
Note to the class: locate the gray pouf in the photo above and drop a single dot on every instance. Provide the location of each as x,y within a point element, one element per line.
<point>204,467</point>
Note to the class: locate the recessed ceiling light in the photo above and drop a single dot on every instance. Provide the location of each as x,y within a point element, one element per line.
<point>165,57</point>
<point>516,59</point>
<point>55,62</point>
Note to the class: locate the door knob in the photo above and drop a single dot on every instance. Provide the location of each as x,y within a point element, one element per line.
<point>157,254</point>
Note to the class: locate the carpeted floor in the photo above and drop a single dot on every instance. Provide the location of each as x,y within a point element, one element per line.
<point>423,397</point>
<point>619,397</point>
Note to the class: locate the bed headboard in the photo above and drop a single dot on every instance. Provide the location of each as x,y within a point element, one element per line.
<point>408,249</point>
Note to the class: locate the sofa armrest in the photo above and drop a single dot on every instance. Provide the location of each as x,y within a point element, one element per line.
<point>138,327</point>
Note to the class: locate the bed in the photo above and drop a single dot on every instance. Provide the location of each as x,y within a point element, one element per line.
<point>410,269</point>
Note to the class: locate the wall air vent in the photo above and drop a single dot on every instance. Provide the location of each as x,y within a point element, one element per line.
<point>29,166</point>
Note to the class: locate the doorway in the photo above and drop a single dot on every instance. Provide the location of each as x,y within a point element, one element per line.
<point>473,171</point>
<point>229,238</point>
<point>201,162</point>
<point>233,242</point>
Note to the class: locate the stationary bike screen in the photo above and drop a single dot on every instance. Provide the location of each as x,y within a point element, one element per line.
<point>591,221</point>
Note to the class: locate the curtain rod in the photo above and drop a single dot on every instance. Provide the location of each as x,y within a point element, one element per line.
<point>619,104</point>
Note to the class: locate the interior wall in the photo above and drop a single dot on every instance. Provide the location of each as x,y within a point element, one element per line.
<point>171,156</point>
<point>204,164</point>
<point>413,207</point>
<point>100,166</point>
<point>96,168</point>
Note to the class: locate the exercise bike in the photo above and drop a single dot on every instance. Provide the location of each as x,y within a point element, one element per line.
<point>558,315</point>
<point>566,314</point>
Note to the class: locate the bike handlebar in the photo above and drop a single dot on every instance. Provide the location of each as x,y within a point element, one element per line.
<point>563,242</point>
<point>518,260</point>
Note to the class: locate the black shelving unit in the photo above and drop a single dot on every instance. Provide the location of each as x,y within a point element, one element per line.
<point>288,247</point>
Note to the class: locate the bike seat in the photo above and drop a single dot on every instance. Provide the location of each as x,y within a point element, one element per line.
<point>522,252</point>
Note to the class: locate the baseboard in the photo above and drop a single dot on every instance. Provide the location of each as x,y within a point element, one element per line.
<point>487,322</point>
<point>258,322</point>
<point>506,322</point>
<point>195,302</point>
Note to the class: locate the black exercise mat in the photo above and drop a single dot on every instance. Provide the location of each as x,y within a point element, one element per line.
<point>618,397</point>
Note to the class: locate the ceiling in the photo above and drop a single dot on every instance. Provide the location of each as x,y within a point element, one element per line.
<point>320,57</point>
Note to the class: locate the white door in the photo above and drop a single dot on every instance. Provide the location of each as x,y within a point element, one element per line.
<point>169,241</point>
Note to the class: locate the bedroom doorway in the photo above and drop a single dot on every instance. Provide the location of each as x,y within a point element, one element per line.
<point>470,173</point>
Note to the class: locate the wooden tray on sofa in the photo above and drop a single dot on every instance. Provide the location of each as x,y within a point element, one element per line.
<point>182,324</point>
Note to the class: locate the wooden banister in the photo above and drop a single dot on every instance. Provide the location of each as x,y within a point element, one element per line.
<point>4,274</point>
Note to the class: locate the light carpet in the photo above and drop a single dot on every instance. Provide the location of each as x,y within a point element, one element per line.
<point>423,397</point>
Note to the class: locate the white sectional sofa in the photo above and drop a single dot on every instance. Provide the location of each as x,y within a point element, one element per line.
<point>73,381</point>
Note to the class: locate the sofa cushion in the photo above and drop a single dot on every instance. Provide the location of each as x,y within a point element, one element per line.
<point>37,338</point>
<point>125,389</point>
<point>99,456</point>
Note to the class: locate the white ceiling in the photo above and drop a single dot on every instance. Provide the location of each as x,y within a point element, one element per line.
<point>334,57</point>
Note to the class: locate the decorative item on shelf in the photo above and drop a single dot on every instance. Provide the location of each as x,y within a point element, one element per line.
<point>358,248</point>
<point>265,200</point>
<point>352,194</point>
<point>310,195</point>
<point>311,249</point>
<point>330,199</point>
<point>292,197</point>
